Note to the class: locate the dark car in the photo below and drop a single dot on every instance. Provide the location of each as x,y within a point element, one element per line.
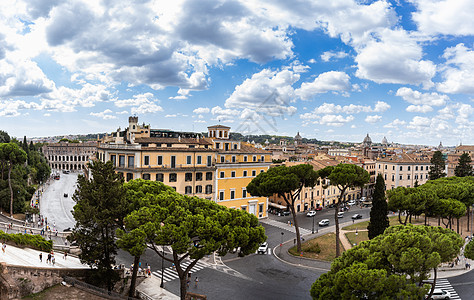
<point>67,229</point>
<point>332,205</point>
<point>65,195</point>
<point>357,216</point>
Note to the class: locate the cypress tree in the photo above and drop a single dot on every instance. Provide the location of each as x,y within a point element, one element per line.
<point>437,166</point>
<point>378,213</point>
<point>464,167</point>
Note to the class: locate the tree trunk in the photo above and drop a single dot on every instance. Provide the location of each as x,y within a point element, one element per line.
<point>11,189</point>
<point>182,288</point>
<point>297,229</point>
<point>468,216</point>
<point>439,221</point>
<point>425,219</point>
<point>433,284</point>
<point>136,262</point>
<point>457,225</point>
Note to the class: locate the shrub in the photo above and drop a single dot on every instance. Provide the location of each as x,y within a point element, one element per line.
<point>34,241</point>
<point>311,247</point>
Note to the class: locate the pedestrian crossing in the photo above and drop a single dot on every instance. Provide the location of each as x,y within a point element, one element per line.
<point>443,283</point>
<point>170,273</point>
<point>284,226</point>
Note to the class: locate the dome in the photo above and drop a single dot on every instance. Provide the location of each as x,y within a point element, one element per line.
<point>298,136</point>
<point>367,139</point>
<point>384,141</point>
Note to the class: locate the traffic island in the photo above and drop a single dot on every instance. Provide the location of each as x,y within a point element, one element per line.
<point>322,248</point>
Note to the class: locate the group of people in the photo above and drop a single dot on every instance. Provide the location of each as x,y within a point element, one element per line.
<point>188,281</point>
<point>50,259</point>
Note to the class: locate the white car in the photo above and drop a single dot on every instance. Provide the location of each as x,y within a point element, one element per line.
<point>351,202</point>
<point>440,294</point>
<point>324,222</point>
<point>311,213</point>
<point>263,248</point>
<point>340,214</point>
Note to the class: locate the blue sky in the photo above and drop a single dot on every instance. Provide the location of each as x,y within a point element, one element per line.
<point>332,70</point>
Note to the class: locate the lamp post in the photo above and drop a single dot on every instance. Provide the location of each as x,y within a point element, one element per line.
<point>313,224</point>
<point>162,285</point>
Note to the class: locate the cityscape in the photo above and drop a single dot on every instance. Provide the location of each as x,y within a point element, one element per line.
<point>236,150</point>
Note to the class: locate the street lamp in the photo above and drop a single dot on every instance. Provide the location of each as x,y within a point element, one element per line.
<point>313,224</point>
<point>162,285</point>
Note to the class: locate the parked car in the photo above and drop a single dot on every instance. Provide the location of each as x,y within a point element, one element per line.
<point>285,213</point>
<point>311,213</point>
<point>351,202</point>
<point>318,208</point>
<point>440,294</point>
<point>65,195</point>
<point>344,208</point>
<point>356,216</point>
<point>324,222</point>
<point>340,214</point>
<point>263,248</point>
<point>332,205</point>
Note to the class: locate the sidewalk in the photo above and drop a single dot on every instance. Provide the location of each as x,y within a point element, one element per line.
<point>150,289</point>
<point>281,253</point>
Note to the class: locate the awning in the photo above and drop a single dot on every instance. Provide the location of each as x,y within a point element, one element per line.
<point>282,207</point>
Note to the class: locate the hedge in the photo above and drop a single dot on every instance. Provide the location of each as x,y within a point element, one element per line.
<point>34,241</point>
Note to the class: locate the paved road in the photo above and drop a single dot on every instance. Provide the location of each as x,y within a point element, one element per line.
<point>464,285</point>
<point>55,206</point>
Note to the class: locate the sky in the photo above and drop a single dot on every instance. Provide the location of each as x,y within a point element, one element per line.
<point>331,70</point>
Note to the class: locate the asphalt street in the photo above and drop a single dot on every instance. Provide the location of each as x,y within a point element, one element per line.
<point>464,285</point>
<point>56,207</point>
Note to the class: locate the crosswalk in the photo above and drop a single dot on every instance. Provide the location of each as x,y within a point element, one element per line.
<point>443,283</point>
<point>284,226</point>
<point>170,273</point>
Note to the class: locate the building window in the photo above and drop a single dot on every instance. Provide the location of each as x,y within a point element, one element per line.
<point>198,176</point>
<point>385,167</point>
<point>244,193</point>
<point>426,176</point>
<point>254,173</point>
<point>260,208</point>
<point>188,177</point>
<point>393,177</point>
<point>232,174</point>
<point>198,189</point>
<point>233,158</point>
<point>408,177</point>
<point>159,160</point>
<point>217,145</point>
<point>222,158</point>
<point>254,158</point>
<point>129,176</point>
<point>209,189</point>
<point>146,160</point>
<point>221,195</point>
<point>421,168</point>
<point>416,168</point>
<point>122,161</point>
<point>159,177</point>
<point>408,168</point>
<point>199,160</point>
<point>232,194</point>
<point>244,208</point>
<point>131,161</point>
<point>262,158</point>
<point>209,160</point>
<point>208,175</point>
<point>401,168</point>
<point>113,159</point>
<point>188,159</point>
<point>393,168</point>
<point>221,175</point>
<point>173,177</point>
<point>146,176</point>
<point>261,171</point>
<point>245,158</point>
<point>188,190</point>
<point>385,177</point>
<point>245,173</point>
<point>401,177</point>
<point>173,161</point>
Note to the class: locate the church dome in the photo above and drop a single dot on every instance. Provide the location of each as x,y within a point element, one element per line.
<point>367,139</point>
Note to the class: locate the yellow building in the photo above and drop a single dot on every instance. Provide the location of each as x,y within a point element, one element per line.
<point>237,164</point>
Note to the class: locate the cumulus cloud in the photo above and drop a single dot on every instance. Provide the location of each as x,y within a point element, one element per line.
<point>141,104</point>
<point>373,119</point>
<point>419,108</point>
<point>13,108</point>
<point>201,110</point>
<point>331,108</point>
<point>395,123</point>
<point>325,82</point>
<point>417,98</point>
<point>106,115</point>
<point>457,74</point>
<point>335,120</point>
<point>330,55</point>
<point>450,17</point>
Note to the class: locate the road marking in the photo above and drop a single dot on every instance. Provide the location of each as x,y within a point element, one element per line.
<point>444,284</point>
<point>170,273</point>
<point>285,226</point>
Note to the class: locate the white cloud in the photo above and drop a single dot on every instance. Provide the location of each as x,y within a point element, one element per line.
<point>12,108</point>
<point>450,17</point>
<point>335,120</point>
<point>373,119</point>
<point>395,57</point>
<point>325,82</point>
<point>395,123</point>
<point>104,115</point>
<point>141,104</point>
<point>457,74</point>
<point>329,55</point>
<point>201,110</point>
<point>417,98</point>
<point>331,108</point>
<point>419,108</point>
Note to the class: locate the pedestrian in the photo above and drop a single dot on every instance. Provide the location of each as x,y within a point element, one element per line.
<point>53,261</point>
<point>49,258</point>
<point>187,282</point>
<point>65,255</point>
<point>149,271</point>
<point>467,264</point>
<point>196,282</point>
<point>4,246</point>
<point>41,257</point>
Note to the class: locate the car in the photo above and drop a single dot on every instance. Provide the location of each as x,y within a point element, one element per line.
<point>324,222</point>
<point>311,213</point>
<point>340,214</point>
<point>318,208</point>
<point>351,202</point>
<point>356,216</point>
<point>263,248</point>
<point>440,294</point>
<point>332,205</point>
<point>65,195</point>
<point>285,213</point>
<point>344,208</point>
<point>363,199</point>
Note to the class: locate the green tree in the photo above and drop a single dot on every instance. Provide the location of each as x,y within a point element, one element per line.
<point>378,213</point>
<point>469,250</point>
<point>100,209</point>
<point>410,201</point>
<point>11,155</point>
<point>344,177</point>
<point>287,183</point>
<point>193,227</point>
<point>392,265</point>
<point>464,167</point>
<point>4,137</point>
<point>437,166</point>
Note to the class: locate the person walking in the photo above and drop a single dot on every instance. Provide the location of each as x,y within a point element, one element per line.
<point>65,255</point>
<point>4,246</point>
<point>41,257</point>
<point>53,260</point>
<point>196,281</point>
